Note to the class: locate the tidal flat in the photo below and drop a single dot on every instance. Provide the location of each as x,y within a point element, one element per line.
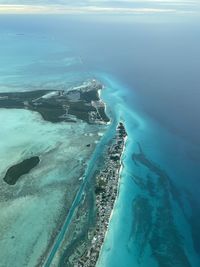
<point>34,208</point>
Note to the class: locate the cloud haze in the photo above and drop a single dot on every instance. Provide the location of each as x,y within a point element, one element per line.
<point>99,6</point>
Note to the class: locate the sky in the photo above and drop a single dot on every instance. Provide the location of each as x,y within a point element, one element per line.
<point>99,6</point>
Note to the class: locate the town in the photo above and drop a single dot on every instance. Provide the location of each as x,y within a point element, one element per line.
<point>106,190</point>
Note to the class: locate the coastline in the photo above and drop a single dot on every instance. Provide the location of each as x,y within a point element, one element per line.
<point>107,182</point>
<point>104,103</point>
<point>112,212</point>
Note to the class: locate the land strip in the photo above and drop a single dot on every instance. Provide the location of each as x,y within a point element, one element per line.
<point>84,246</point>
<point>82,102</point>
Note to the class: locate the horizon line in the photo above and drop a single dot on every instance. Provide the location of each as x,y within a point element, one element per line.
<point>60,9</point>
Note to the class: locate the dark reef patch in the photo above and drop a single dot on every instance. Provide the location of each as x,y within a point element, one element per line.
<point>154,222</point>
<point>141,227</point>
<point>16,171</point>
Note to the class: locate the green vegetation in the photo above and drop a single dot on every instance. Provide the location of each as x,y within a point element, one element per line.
<point>16,171</point>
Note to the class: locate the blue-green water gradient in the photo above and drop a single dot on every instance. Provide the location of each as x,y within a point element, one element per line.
<point>150,68</point>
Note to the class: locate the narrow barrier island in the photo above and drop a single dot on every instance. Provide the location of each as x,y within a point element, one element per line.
<point>107,182</point>
<point>86,254</point>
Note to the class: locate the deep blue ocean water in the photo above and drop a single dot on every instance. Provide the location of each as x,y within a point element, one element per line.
<point>150,67</point>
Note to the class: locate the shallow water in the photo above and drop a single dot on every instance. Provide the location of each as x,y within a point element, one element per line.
<point>34,208</point>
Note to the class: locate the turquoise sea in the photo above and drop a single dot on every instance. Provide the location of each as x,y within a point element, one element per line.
<point>150,69</point>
